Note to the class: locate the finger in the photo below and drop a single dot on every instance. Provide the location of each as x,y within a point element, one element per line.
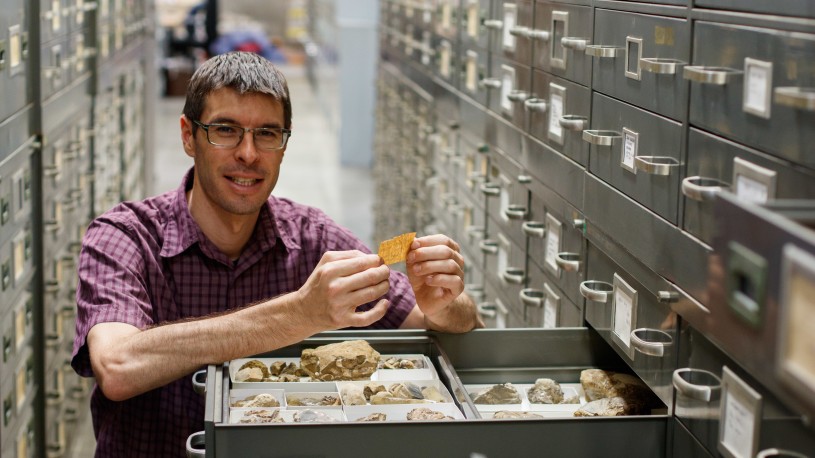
<point>368,293</point>
<point>432,253</point>
<point>331,256</point>
<point>450,282</point>
<point>346,267</point>
<point>368,317</point>
<point>360,280</point>
<point>447,266</point>
<point>435,240</point>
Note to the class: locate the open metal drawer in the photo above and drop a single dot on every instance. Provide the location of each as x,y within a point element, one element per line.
<point>481,356</point>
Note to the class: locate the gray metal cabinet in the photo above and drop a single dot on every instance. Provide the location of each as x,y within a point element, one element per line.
<point>515,88</point>
<point>637,152</point>
<point>803,8</point>
<point>505,267</point>
<point>517,20</point>
<point>476,26</point>
<point>560,38</point>
<point>639,59</point>
<point>508,204</point>
<point>752,87</point>
<point>14,60</point>
<point>545,305</point>
<point>558,113</point>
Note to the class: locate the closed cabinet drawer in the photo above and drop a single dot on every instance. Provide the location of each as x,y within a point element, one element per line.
<point>755,86</point>
<point>471,227</point>
<point>621,303</point>
<point>637,152</point>
<point>492,309</point>
<point>555,242</point>
<point>558,113</point>
<point>685,445</point>
<point>639,59</point>
<point>448,16</point>
<point>508,197</point>
<point>471,168</point>
<point>476,26</point>
<point>716,164</point>
<point>474,77</point>
<point>545,305</point>
<point>803,8</point>
<point>517,22</point>
<point>505,266</point>
<point>14,62</point>
<point>446,61</point>
<point>514,88</point>
<point>560,37</point>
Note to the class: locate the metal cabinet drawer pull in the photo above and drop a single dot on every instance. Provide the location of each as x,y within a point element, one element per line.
<point>656,165</point>
<point>515,212</point>
<point>574,123</point>
<point>490,189</point>
<point>196,445</point>
<point>702,189</point>
<point>779,452</point>
<point>494,24</point>
<point>513,275</point>
<point>476,176</point>
<point>199,381</point>
<point>488,246</point>
<point>661,66</point>
<point>473,231</point>
<point>487,309</point>
<point>542,35</point>
<point>579,224</point>
<point>601,137</point>
<point>537,105</point>
<point>710,75</point>
<point>476,292</point>
<point>802,98</point>
<point>490,83</point>
<point>570,262</point>
<point>531,297</point>
<point>651,341</point>
<point>520,31</point>
<point>54,397</point>
<point>524,179</point>
<point>697,384</point>
<point>596,291</point>
<point>604,51</point>
<point>534,229</point>
<point>517,96</point>
<point>575,43</point>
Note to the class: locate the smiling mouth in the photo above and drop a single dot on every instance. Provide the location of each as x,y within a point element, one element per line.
<point>244,181</point>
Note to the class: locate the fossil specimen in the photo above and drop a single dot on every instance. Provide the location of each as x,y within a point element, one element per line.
<point>259,400</point>
<point>376,416</point>
<point>401,363</point>
<point>250,374</point>
<point>608,407</point>
<point>372,388</point>
<point>545,391</point>
<point>423,413</point>
<point>349,360</point>
<point>385,397</point>
<point>515,415</point>
<point>352,395</point>
<point>281,367</point>
<point>406,390</point>
<point>431,393</point>
<point>262,416</point>
<point>311,416</point>
<point>328,400</point>
<point>599,384</point>
<point>498,394</point>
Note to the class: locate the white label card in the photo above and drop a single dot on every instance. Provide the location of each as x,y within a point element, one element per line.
<point>473,20</point>
<point>472,69</point>
<point>19,259</point>
<point>552,244</point>
<point>739,425</point>
<point>504,203</point>
<point>502,258</point>
<point>549,313</point>
<point>751,190</point>
<point>15,46</point>
<point>444,60</point>
<point>510,17</point>
<point>507,86</point>
<point>445,16</point>
<point>56,15</point>
<point>630,147</point>
<point>555,113</point>
<point>19,326</point>
<point>623,315</point>
<point>797,344</point>
<point>758,77</point>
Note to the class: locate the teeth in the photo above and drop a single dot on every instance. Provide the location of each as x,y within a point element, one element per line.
<point>244,181</point>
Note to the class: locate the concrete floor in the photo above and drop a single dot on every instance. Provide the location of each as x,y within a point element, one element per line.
<point>311,174</point>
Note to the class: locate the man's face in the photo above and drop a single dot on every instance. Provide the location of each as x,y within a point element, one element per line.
<point>234,180</point>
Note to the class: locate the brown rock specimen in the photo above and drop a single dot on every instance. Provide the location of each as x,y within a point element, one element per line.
<point>249,374</point>
<point>423,413</point>
<point>598,384</point>
<point>385,397</point>
<point>545,391</point>
<point>281,367</point>
<point>515,415</point>
<point>327,400</point>
<point>262,416</point>
<point>349,360</point>
<point>498,394</point>
<point>401,363</point>
<point>372,388</point>
<point>376,416</point>
<point>259,400</point>
<point>608,407</point>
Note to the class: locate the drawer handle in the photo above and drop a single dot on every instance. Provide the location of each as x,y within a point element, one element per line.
<point>537,105</point>
<point>515,212</point>
<point>601,137</point>
<point>570,262</point>
<point>656,165</point>
<point>199,381</point>
<point>702,189</point>
<point>490,189</point>
<point>574,123</point>
<point>476,292</point>
<point>475,231</point>
<point>488,246</point>
<point>494,24</point>
<point>779,452</point>
<point>651,341</point>
<point>531,297</point>
<point>661,66</point>
<point>596,291</point>
<point>604,51</point>
<point>802,98</point>
<point>534,229</point>
<point>476,176</point>
<point>520,31</point>
<point>542,35</point>
<point>490,83</point>
<point>513,275</point>
<point>575,43</point>
<point>710,75</point>
<point>517,96</point>
<point>697,384</point>
<point>487,309</point>
<point>196,445</point>
<point>54,397</point>
<point>524,179</point>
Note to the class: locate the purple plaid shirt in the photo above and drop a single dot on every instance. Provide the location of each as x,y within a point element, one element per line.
<point>148,262</point>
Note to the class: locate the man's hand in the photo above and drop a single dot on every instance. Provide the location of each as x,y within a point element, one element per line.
<point>341,282</point>
<point>435,269</point>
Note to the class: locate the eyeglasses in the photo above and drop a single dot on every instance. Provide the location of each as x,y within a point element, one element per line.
<point>230,136</point>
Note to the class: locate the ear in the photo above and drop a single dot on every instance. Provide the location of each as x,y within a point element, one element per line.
<point>187,136</point>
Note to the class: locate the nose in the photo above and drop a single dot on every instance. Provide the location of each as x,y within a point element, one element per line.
<point>246,151</point>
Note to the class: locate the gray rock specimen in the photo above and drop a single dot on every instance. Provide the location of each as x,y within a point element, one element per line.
<point>376,416</point>
<point>311,416</point>
<point>545,391</point>
<point>262,416</point>
<point>423,413</point>
<point>516,415</point>
<point>498,394</point>
<point>352,395</point>
<point>349,360</point>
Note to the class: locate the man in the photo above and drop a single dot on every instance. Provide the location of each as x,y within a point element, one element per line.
<point>220,269</point>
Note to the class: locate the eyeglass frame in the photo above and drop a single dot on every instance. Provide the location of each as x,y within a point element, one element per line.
<point>284,131</point>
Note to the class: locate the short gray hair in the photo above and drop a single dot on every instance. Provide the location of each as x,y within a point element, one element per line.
<point>244,72</point>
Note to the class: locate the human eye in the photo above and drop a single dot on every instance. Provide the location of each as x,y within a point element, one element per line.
<point>225,130</point>
<point>268,133</point>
